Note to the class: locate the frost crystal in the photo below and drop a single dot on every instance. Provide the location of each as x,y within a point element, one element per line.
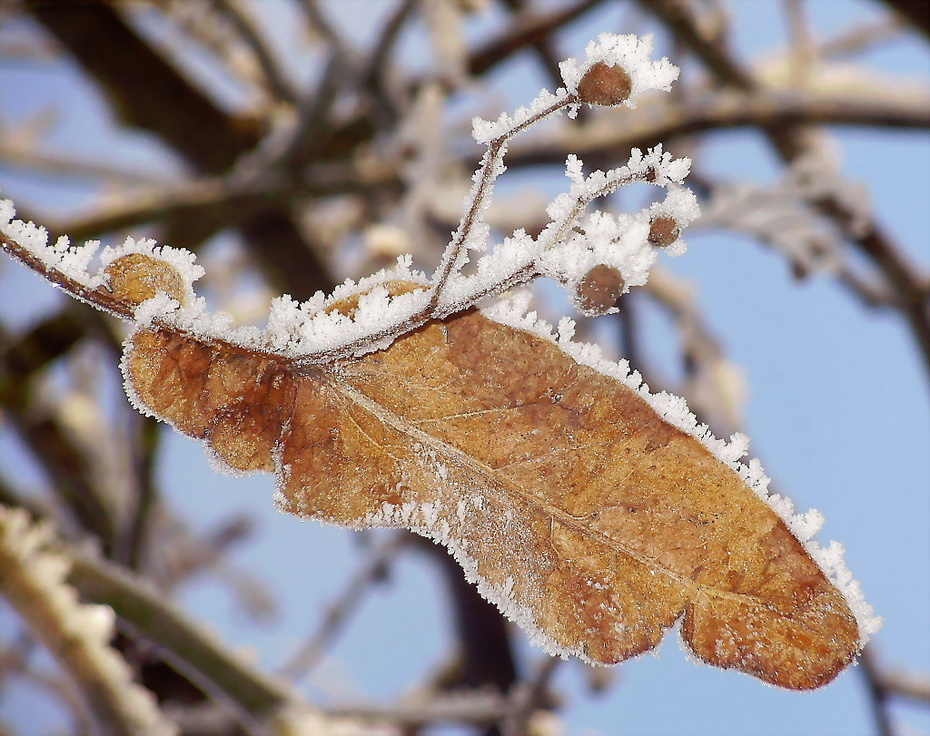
<point>629,52</point>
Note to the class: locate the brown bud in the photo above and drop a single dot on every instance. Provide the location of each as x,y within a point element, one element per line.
<point>663,231</point>
<point>599,289</point>
<point>136,277</point>
<point>604,85</point>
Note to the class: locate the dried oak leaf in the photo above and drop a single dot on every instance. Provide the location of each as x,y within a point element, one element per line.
<point>581,513</point>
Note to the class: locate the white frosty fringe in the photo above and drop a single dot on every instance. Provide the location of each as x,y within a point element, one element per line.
<point>674,410</point>
<point>297,329</point>
<point>294,329</point>
<point>87,628</point>
<point>485,131</point>
<point>420,519</point>
<point>73,260</point>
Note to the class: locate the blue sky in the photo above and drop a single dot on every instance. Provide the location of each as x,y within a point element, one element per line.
<point>837,410</point>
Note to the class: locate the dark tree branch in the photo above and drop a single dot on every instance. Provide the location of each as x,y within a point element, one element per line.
<point>915,12</point>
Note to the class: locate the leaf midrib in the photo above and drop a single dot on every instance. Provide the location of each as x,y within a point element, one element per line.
<point>399,423</point>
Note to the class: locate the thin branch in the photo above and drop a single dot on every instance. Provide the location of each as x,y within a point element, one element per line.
<point>907,685</point>
<point>645,127</point>
<point>379,66</point>
<point>278,84</point>
<point>527,31</point>
<point>701,351</point>
<point>340,610</point>
<point>477,708</point>
<point>878,695</point>
<point>322,26</point>
<point>194,650</point>
<point>860,39</point>
<point>802,44</point>
<point>218,198</point>
<point>528,696</point>
<point>489,171</point>
<point>36,161</point>
<point>144,452</point>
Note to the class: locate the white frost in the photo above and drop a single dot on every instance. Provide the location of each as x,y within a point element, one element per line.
<point>629,52</point>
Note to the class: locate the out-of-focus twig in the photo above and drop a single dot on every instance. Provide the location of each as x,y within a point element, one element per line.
<point>648,126</point>
<point>194,650</point>
<point>340,610</point>
<point>74,633</point>
<point>278,84</point>
<point>41,161</point>
<point>530,30</point>
<point>860,38</point>
<point>475,708</point>
<point>527,696</point>
<point>878,695</point>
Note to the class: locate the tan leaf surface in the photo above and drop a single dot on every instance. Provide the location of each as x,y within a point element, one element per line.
<point>587,518</point>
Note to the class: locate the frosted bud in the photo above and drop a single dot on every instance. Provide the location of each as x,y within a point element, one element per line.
<point>604,85</point>
<point>599,290</point>
<point>663,231</point>
<point>136,277</point>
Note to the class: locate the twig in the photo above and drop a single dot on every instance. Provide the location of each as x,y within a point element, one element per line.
<point>338,612</point>
<point>701,351</point>
<point>802,46</point>
<point>144,454</point>
<point>278,83</point>
<point>378,67</point>
<point>48,163</point>
<point>908,685</point>
<point>871,107</point>
<point>527,696</point>
<point>528,31</point>
<point>476,708</point>
<point>218,197</point>
<point>861,38</point>
<point>878,695</point>
<point>322,26</point>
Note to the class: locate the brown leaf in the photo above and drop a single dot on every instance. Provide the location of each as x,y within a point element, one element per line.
<point>586,517</point>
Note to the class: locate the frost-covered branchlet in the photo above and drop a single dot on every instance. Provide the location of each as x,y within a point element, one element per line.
<point>570,249</point>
